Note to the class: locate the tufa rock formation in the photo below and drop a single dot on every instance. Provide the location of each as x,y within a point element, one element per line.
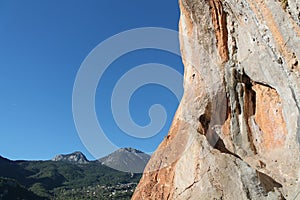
<point>236,132</point>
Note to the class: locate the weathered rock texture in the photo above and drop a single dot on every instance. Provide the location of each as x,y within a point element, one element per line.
<point>236,132</point>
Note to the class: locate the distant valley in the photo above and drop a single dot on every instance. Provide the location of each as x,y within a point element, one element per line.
<point>73,176</point>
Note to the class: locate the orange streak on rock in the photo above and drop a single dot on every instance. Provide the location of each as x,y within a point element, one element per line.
<point>220,26</point>
<point>267,16</point>
<point>157,180</point>
<point>226,126</point>
<point>269,117</point>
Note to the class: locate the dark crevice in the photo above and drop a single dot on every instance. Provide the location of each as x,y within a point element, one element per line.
<point>253,100</point>
<point>267,182</point>
<point>249,106</point>
<point>236,76</point>
<point>282,197</point>
<point>168,197</point>
<point>265,85</point>
<point>248,193</point>
<point>250,95</point>
<point>247,81</point>
<point>222,148</point>
<point>188,187</point>
<point>262,164</point>
<point>205,119</point>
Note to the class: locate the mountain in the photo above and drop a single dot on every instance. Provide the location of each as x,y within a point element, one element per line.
<point>236,133</point>
<point>76,157</point>
<point>2,159</point>
<point>69,176</point>
<point>11,189</point>
<point>126,160</point>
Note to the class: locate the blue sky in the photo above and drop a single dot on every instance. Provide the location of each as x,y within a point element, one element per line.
<point>42,45</point>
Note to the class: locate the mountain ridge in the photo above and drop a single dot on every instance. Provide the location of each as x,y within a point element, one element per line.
<point>124,159</point>
<point>75,157</point>
<point>65,178</point>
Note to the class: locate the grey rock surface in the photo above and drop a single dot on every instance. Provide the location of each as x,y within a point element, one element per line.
<point>76,157</point>
<point>126,160</point>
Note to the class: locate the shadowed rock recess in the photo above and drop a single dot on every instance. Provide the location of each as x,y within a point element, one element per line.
<point>236,132</point>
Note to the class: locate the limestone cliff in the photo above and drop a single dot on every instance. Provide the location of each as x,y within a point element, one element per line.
<point>236,132</point>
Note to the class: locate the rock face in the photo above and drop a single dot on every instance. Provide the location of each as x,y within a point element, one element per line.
<point>236,132</point>
<point>76,157</point>
<point>126,160</point>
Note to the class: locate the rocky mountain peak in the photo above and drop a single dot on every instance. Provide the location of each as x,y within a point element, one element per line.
<point>127,160</point>
<point>130,150</point>
<point>75,157</point>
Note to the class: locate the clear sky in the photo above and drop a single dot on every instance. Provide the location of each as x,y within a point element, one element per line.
<point>42,45</point>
